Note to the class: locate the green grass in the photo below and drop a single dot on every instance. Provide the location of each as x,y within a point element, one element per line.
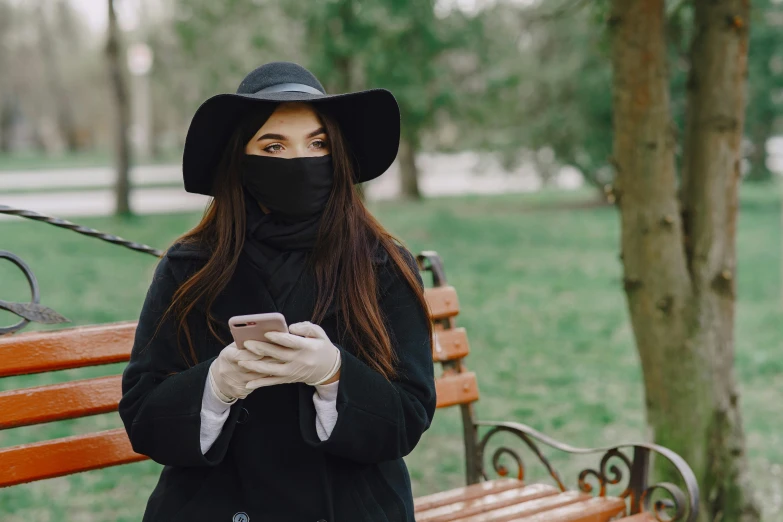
<point>541,300</point>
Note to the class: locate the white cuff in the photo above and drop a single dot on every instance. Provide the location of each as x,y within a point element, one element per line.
<point>214,413</point>
<point>325,402</point>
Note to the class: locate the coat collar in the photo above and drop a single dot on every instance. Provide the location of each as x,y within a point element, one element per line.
<point>246,291</point>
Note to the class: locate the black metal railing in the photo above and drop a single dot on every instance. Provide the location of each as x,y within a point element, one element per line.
<point>33,311</point>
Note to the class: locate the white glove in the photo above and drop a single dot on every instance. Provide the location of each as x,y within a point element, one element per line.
<point>304,355</point>
<point>228,378</point>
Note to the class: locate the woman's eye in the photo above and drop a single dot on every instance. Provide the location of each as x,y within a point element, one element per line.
<point>319,144</point>
<point>275,147</point>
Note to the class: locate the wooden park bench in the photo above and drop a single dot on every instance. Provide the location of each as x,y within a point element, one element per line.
<point>510,497</point>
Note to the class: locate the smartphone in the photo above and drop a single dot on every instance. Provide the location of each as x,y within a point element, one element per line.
<point>254,326</point>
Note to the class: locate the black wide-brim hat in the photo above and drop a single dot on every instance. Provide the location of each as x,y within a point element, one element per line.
<point>369,121</point>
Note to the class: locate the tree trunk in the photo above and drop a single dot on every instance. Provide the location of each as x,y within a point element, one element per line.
<point>710,181</point>
<point>679,268</point>
<point>7,110</point>
<point>57,88</point>
<point>122,104</point>
<point>409,172</point>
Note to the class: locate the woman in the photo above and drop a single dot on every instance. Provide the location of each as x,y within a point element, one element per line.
<point>309,425</point>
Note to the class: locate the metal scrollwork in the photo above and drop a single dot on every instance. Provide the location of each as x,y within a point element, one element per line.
<point>32,311</point>
<point>677,506</point>
<point>662,508</point>
<point>504,450</point>
<point>603,476</point>
<point>502,470</point>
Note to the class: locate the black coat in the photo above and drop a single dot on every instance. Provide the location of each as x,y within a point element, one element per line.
<point>268,461</point>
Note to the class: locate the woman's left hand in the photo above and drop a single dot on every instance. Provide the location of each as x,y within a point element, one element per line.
<point>305,354</point>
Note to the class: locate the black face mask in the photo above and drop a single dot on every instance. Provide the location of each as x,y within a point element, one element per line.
<point>295,189</point>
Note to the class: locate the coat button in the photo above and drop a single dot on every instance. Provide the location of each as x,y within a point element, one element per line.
<point>243,415</point>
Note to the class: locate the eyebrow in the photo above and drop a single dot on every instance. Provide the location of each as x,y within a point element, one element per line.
<point>272,136</point>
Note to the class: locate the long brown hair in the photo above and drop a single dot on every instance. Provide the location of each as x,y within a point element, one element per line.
<point>342,258</point>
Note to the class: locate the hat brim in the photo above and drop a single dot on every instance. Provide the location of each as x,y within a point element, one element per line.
<point>369,121</point>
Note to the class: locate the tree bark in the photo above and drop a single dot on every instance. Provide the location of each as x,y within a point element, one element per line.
<point>679,261</point>
<point>409,172</point>
<point>710,181</point>
<point>7,109</point>
<point>57,87</point>
<point>122,104</point>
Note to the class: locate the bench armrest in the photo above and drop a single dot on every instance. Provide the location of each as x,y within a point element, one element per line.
<point>677,506</point>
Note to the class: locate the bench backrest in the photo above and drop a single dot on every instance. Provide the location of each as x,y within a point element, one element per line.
<point>37,352</point>
<point>456,386</point>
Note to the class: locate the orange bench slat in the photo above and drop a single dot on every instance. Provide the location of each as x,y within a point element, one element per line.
<point>465,493</point>
<point>442,301</point>
<point>450,344</point>
<point>59,401</point>
<point>598,509</point>
<point>55,458</point>
<point>545,505</point>
<point>460,388</point>
<point>50,350</point>
<point>488,502</point>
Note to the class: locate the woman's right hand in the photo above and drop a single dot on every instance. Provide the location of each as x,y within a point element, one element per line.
<point>227,377</point>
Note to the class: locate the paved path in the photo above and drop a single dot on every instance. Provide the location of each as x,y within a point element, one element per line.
<point>442,175</point>
<point>101,202</point>
<point>88,177</point>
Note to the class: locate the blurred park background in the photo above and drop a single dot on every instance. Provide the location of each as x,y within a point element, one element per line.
<point>505,169</point>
